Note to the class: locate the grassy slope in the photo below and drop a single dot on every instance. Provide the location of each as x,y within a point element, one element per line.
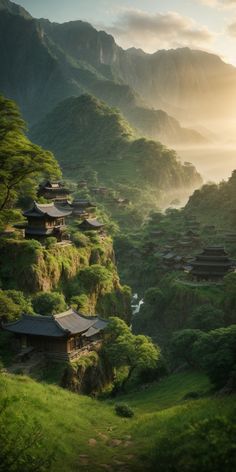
<point>69,421</point>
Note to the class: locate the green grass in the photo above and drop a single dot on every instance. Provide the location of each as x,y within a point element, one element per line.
<point>69,421</point>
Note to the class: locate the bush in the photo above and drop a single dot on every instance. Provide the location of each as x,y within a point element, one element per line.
<point>207,445</point>
<point>123,410</point>
<point>214,352</point>
<point>13,304</point>
<point>80,239</point>
<point>81,303</point>
<point>192,396</point>
<point>49,303</point>
<point>50,242</point>
<point>207,317</point>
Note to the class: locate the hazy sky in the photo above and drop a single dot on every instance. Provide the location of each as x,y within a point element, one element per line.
<point>152,24</point>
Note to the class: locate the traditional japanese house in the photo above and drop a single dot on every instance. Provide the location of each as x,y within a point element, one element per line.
<point>169,258</point>
<point>59,336</point>
<point>54,191</point>
<point>45,220</point>
<point>212,264</point>
<point>91,225</point>
<point>82,208</point>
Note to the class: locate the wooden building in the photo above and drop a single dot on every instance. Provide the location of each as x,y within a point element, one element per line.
<point>82,208</point>
<point>91,225</point>
<point>212,264</point>
<point>59,336</point>
<point>54,191</point>
<point>45,220</point>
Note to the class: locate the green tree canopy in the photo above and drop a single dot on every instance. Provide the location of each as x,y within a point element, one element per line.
<point>49,303</point>
<point>124,349</point>
<point>207,317</point>
<point>13,304</point>
<point>215,353</point>
<point>182,345</point>
<point>21,162</point>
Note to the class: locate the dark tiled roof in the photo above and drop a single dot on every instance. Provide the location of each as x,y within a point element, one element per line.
<point>96,328</point>
<point>92,223</point>
<point>60,325</point>
<point>73,322</point>
<point>36,325</point>
<point>38,210</point>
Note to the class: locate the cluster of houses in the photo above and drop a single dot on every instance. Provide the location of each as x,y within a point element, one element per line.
<point>63,336</point>
<point>186,251</point>
<point>49,219</point>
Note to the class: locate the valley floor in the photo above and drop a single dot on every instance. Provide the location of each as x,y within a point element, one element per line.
<point>87,435</point>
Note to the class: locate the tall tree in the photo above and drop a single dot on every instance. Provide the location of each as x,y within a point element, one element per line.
<point>21,162</point>
<point>124,349</point>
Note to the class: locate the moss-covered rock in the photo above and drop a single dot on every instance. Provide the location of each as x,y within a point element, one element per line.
<point>28,266</point>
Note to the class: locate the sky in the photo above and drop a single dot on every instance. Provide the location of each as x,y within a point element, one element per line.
<point>151,25</point>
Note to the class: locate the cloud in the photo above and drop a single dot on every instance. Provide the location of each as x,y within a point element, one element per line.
<point>222,4</point>
<point>158,31</point>
<point>231,29</point>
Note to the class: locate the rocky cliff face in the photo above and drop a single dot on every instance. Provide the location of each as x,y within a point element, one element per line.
<point>29,72</point>
<point>43,63</point>
<point>30,267</point>
<point>178,81</point>
<point>183,82</point>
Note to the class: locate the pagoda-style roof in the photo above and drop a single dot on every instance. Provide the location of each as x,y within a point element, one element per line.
<point>82,204</point>
<point>39,210</point>
<point>96,328</point>
<point>61,325</point>
<point>213,262</point>
<point>53,185</point>
<point>91,224</point>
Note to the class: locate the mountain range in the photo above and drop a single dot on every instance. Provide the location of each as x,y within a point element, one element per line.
<point>43,63</point>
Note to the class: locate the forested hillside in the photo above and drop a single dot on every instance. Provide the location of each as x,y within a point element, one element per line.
<point>85,134</point>
<point>215,203</point>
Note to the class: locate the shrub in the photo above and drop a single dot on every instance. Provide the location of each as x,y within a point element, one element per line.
<point>123,410</point>
<point>192,396</point>
<point>214,352</point>
<point>207,317</point>
<point>80,239</point>
<point>13,304</point>
<point>49,303</point>
<point>50,242</point>
<point>207,445</point>
<point>81,303</point>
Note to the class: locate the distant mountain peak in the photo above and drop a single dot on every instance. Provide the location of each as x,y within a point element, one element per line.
<point>14,9</point>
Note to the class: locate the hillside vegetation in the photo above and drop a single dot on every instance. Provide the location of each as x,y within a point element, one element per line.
<point>84,134</point>
<point>215,203</point>
<point>86,434</point>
